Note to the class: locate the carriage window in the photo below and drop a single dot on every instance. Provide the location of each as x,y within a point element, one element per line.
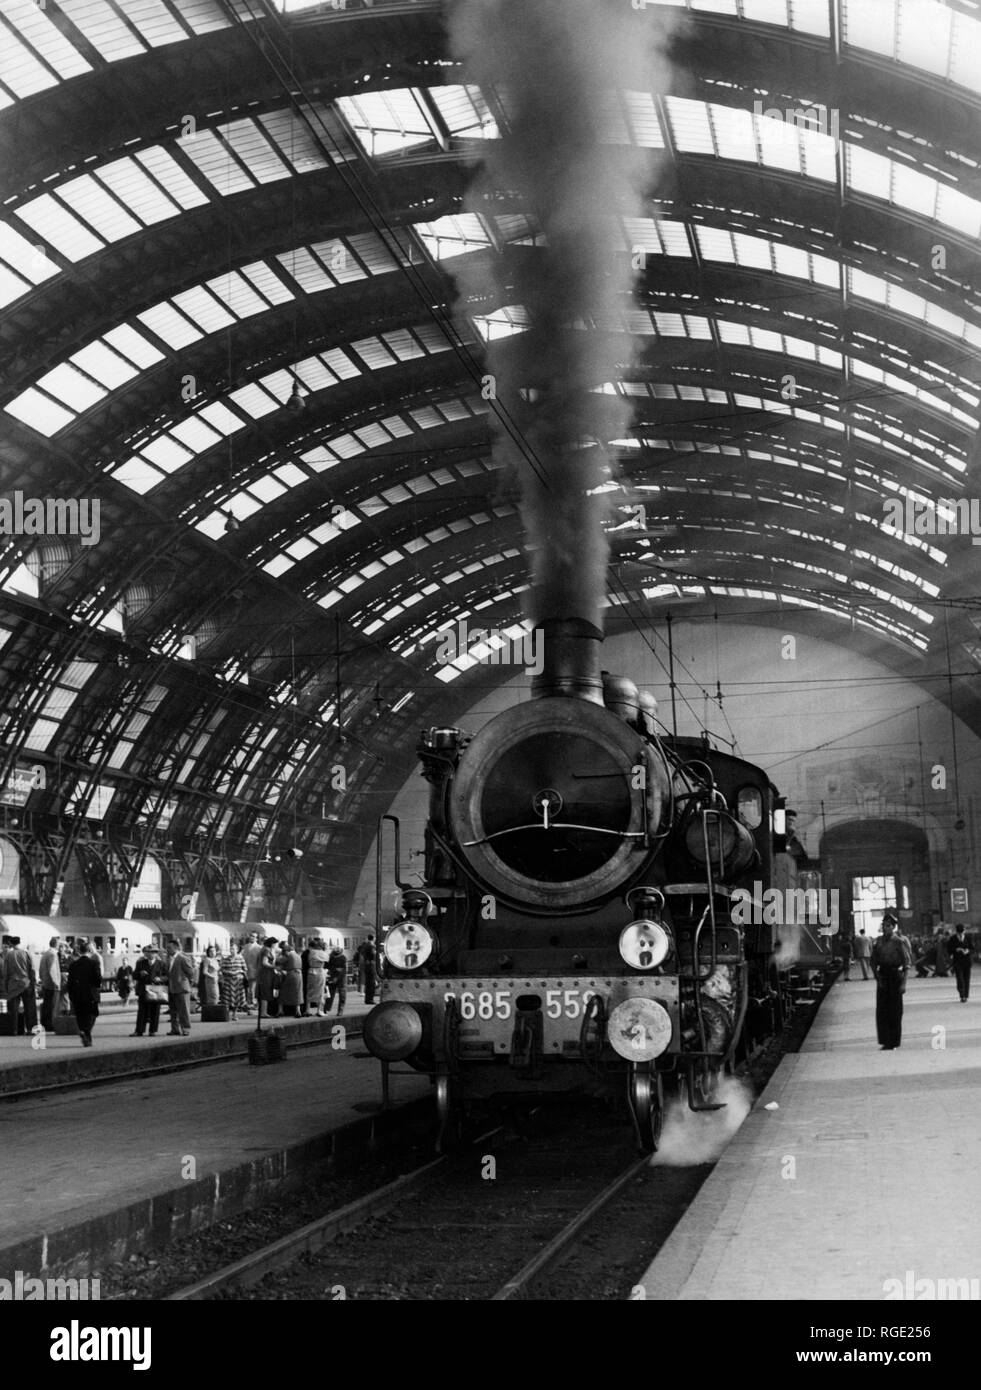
<point>98,942</point>
<point>112,943</point>
<point>750,807</point>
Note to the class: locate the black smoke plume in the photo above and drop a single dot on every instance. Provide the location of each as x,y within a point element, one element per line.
<point>554,67</point>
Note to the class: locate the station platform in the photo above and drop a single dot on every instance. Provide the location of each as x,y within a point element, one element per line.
<point>30,1065</point>
<point>867,1172</point>
<point>96,1174</point>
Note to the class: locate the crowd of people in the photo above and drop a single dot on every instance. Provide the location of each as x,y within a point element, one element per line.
<point>263,976</point>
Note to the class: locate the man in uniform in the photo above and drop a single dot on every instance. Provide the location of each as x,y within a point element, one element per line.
<point>20,984</point>
<point>960,948</point>
<point>368,962</point>
<point>863,950</point>
<point>890,962</point>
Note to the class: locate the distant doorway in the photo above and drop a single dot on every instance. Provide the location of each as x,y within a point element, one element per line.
<point>877,864</point>
<point>871,896</point>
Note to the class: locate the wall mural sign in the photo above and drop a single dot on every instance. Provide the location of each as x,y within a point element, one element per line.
<point>20,781</point>
<point>958,900</point>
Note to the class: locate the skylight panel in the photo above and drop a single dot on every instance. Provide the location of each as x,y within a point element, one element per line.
<point>20,69</point>
<point>169,325</point>
<point>291,475</point>
<point>154,21</point>
<point>958,211</point>
<point>39,411</point>
<point>203,16</point>
<point>224,420</point>
<point>308,273</point>
<point>752,251</point>
<point>217,163</point>
<point>267,282</point>
<point>71,387</point>
<point>278,565</point>
<point>340,364</point>
<point>138,191</point>
<point>57,225</point>
<point>642,117</point>
<point>294,139</point>
<point>373,253</point>
<point>203,309</point>
<point>302,548</point>
<point>314,375</point>
<point>385,122</point>
<point>34,26</point>
<point>133,345</point>
<point>254,150</point>
<point>11,286</point>
<point>254,400</point>
<point>373,353</point>
<point>372,436</point>
<point>103,28</point>
<point>213,526</point>
<point>690,125</point>
<point>238,294</point>
<point>464,111</point>
<point>137,475</point>
<point>169,173</point>
<point>24,257</point>
<point>166,453</point>
<point>790,260</point>
<point>779,144</point>
<point>106,366</point>
<point>453,235</point>
<point>89,199</point>
<point>923,36</point>
<point>195,435</point>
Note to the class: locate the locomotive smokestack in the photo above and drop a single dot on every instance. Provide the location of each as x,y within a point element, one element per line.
<point>571,663</point>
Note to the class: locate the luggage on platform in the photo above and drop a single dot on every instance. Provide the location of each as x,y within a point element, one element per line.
<point>214,1013</point>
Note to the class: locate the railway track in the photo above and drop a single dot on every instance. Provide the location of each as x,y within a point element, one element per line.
<point>512,1218</point>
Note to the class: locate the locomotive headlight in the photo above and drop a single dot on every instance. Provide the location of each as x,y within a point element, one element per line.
<point>644,944</point>
<point>408,945</point>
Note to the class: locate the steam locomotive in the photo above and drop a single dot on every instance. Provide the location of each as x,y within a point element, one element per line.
<point>575,928</point>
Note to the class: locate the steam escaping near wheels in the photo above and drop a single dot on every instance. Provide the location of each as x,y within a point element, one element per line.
<point>689,1137</point>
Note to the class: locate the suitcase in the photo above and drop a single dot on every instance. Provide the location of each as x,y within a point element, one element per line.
<point>8,1024</point>
<point>214,1013</point>
<point>65,1025</point>
<point>266,1047</point>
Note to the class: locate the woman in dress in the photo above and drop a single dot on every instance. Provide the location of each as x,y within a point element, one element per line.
<point>316,976</point>
<point>233,978</point>
<point>268,979</point>
<point>291,985</point>
<point>208,977</point>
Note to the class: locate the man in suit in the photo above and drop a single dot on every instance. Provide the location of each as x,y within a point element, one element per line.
<point>84,989</point>
<point>960,948</point>
<point>150,970</point>
<point>250,954</point>
<point>890,962</point>
<point>863,950</point>
<point>180,979</point>
<point>20,984</point>
<point>49,974</point>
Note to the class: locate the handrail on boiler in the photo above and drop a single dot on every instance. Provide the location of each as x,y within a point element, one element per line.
<point>379,846</point>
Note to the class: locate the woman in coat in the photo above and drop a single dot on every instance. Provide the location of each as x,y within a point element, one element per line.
<point>316,976</point>
<point>291,985</point>
<point>268,979</point>
<point>233,980</point>
<point>84,988</point>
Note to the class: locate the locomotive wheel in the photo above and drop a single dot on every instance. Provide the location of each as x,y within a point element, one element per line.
<point>449,1113</point>
<point>646,1094</point>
